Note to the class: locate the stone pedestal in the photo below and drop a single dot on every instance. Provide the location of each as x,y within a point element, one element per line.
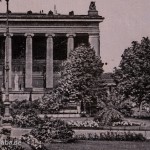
<point>7,119</point>
<point>93,13</point>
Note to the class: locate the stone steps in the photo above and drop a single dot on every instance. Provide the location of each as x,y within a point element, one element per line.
<point>67,111</point>
<point>62,115</point>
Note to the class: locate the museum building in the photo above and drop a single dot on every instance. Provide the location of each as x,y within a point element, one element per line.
<point>38,45</point>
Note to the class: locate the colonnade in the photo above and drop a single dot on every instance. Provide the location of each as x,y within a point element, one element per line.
<point>93,40</point>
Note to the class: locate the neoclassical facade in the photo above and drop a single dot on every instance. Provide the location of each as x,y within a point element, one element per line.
<point>38,45</point>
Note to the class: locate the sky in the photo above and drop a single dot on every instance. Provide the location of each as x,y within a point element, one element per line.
<point>125,21</point>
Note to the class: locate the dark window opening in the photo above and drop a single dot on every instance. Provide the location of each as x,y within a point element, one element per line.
<point>18,47</point>
<point>39,47</point>
<point>2,47</point>
<point>60,48</point>
<point>79,39</point>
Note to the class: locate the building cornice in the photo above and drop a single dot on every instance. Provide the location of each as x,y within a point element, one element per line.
<point>47,18</point>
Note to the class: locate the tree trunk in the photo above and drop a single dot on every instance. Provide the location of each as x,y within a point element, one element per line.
<point>140,108</point>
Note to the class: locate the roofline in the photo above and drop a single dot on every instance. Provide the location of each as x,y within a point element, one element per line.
<point>54,20</point>
<point>37,16</point>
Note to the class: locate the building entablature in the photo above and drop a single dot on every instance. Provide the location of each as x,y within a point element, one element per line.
<point>44,21</point>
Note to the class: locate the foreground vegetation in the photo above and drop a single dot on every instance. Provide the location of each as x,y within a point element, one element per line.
<point>94,145</point>
<point>81,83</point>
<point>100,145</point>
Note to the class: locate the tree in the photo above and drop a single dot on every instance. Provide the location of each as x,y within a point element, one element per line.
<point>111,109</point>
<point>120,103</point>
<point>108,115</point>
<point>81,78</point>
<point>133,75</point>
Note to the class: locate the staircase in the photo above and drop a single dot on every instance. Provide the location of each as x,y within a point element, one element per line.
<point>68,110</point>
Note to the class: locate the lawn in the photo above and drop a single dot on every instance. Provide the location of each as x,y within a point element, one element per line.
<point>100,145</point>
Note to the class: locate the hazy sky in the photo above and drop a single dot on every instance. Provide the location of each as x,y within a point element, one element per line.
<point>125,21</point>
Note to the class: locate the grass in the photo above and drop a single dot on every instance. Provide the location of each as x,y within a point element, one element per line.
<point>100,145</point>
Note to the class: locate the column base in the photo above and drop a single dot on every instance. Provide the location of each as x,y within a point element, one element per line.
<point>10,89</point>
<point>48,89</point>
<point>28,89</point>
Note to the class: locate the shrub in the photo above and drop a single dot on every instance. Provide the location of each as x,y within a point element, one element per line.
<point>27,119</point>
<point>52,129</point>
<point>12,147</point>
<point>9,144</point>
<point>23,106</point>
<point>108,115</point>
<point>5,131</point>
<point>48,104</point>
<point>33,142</point>
<point>45,105</point>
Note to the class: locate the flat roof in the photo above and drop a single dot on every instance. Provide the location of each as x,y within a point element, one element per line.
<point>47,16</point>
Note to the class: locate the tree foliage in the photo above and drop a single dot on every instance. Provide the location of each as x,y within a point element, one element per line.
<point>110,110</point>
<point>133,75</point>
<point>81,77</point>
<point>120,103</point>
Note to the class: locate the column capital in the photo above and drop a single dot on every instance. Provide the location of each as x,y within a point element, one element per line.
<point>9,34</point>
<point>29,34</point>
<point>94,34</point>
<point>70,34</point>
<point>49,35</point>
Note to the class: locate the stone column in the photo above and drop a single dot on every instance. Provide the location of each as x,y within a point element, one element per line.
<point>28,63</point>
<point>49,61</point>
<point>8,56</point>
<point>94,40</point>
<point>70,43</point>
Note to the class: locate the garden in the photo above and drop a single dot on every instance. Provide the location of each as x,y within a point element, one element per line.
<point>81,83</point>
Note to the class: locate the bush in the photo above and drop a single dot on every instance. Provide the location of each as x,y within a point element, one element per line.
<point>48,104</point>
<point>142,115</point>
<point>52,129</point>
<point>33,142</point>
<point>108,115</point>
<point>9,144</point>
<point>11,147</point>
<point>5,131</point>
<point>45,105</point>
<point>26,120</point>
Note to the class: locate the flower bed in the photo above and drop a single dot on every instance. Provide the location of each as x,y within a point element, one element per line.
<point>51,129</point>
<point>83,124</point>
<point>26,120</point>
<point>112,136</point>
<point>33,142</point>
<point>9,143</point>
<point>126,123</point>
<point>95,125</point>
<point>44,105</point>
